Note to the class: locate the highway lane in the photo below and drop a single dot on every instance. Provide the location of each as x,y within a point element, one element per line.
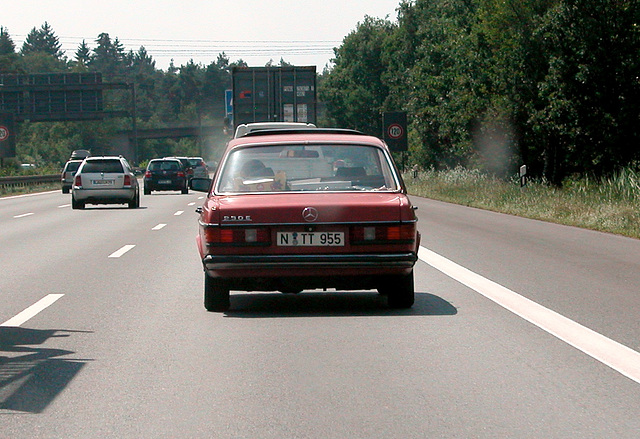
<point>590,277</point>
<point>129,351</point>
<point>44,250</point>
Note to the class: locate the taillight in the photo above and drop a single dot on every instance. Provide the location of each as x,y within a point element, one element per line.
<point>237,236</point>
<point>180,174</point>
<point>78,180</point>
<point>383,234</point>
<point>147,174</point>
<point>127,180</point>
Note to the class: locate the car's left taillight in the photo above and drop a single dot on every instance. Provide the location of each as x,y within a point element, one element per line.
<point>127,181</point>
<point>237,236</point>
<point>78,180</point>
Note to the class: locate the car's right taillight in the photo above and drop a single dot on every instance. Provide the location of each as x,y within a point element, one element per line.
<point>383,234</point>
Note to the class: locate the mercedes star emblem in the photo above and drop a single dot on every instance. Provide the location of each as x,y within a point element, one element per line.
<point>310,214</point>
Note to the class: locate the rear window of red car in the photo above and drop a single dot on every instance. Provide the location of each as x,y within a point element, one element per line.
<point>304,167</point>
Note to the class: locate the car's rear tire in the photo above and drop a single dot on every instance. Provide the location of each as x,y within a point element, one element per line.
<point>135,202</point>
<point>185,190</point>
<point>75,204</point>
<point>66,190</point>
<point>399,291</point>
<point>147,191</point>
<point>216,295</point>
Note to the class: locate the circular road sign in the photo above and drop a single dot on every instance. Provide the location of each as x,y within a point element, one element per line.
<point>4,133</point>
<point>395,131</point>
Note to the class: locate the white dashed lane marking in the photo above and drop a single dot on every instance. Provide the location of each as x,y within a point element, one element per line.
<point>33,310</point>
<point>122,251</point>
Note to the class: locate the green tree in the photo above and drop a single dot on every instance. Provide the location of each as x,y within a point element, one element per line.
<point>591,89</point>
<point>354,90</point>
<point>6,43</point>
<point>43,40</point>
<point>514,64</point>
<point>108,57</point>
<point>41,52</point>
<point>216,80</point>
<point>8,56</point>
<point>445,98</point>
<point>83,54</point>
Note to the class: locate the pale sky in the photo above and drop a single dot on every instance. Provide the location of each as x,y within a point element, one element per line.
<point>303,32</point>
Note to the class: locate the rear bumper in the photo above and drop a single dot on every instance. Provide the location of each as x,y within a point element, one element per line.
<point>297,273</point>
<point>175,185</point>
<point>104,195</point>
<point>316,262</point>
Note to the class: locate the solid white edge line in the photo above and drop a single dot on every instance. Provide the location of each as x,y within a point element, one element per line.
<point>615,355</point>
<point>121,251</point>
<point>28,195</point>
<point>33,310</point>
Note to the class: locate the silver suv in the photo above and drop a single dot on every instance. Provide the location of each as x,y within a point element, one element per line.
<point>105,180</point>
<point>68,172</point>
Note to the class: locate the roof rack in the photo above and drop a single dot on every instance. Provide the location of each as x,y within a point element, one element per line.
<point>311,130</point>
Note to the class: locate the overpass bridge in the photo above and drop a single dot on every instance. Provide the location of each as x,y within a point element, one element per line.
<point>126,142</point>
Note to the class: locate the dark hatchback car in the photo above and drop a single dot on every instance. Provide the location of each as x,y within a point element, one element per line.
<point>165,175</point>
<point>186,163</point>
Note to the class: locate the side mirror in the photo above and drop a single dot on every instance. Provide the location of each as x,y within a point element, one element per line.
<point>200,184</point>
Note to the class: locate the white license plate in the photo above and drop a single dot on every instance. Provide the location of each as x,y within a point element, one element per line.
<point>164,181</point>
<point>102,182</point>
<point>310,239</point>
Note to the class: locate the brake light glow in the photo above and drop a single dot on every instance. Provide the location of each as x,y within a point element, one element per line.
<point>383,234</point>
<point>237,236</point>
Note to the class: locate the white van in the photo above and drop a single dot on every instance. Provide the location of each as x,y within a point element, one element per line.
<point>245,128</point>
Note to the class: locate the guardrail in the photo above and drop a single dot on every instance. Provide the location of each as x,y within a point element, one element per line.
<point>28,180</point>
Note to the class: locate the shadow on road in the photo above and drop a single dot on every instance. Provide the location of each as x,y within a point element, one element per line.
<point>331,304</point>
<point>31,377</point>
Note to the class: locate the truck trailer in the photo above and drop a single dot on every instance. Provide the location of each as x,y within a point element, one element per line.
<point>274,94</point>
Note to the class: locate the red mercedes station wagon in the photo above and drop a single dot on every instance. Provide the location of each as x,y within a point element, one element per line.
<point>292,210</point>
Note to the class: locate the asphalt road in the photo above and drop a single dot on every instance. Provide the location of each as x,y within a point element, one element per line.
<point>521,329</point>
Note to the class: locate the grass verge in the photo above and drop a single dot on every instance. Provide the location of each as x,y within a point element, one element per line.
<point>608,205</point>
<point>21,190</point>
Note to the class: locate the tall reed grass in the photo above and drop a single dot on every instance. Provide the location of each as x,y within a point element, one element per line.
<point>608,205</point>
